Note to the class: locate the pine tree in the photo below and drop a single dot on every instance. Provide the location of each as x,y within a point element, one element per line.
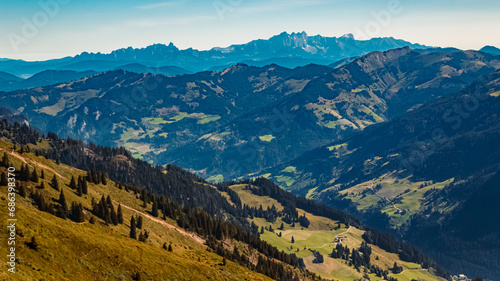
<point>3,179</point>
<point>154,211</point>
<point>79,190</point>
<point>120,214</point>
<point>224,261</point>
<point>170,247</point>
<point>34,176</point>
<point>165,246</point>
<point>72,184</point>
<point>293,240</point>
<point>113,215</point>
<point>24,174</point>
<point>42,185</point>
<point>103,179</point>
<point>82,183</point>
<point>42,175</point>
<point>77,212</point>
<point>55,183</point>
<point>133,231</point>
<point>139,222</point>
<point>5,160</point>
<point>63,208</point>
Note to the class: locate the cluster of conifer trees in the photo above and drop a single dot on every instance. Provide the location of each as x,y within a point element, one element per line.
<point>105,210</point>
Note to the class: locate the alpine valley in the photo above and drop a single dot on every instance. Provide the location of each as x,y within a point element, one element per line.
<point>293,158</point>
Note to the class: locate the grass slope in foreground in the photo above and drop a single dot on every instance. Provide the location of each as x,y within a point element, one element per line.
<point>68,250</point>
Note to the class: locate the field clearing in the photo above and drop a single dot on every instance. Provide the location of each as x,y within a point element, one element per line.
<point>320,236</point>
<point>267,138</point>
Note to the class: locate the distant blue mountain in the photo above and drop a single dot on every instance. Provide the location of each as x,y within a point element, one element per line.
<point>10,82</point>
<point>165,70</point>
<point>491,50</point>
<point>288,50</point>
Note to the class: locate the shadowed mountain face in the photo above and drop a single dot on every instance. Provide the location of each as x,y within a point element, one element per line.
<point>491,50</point>
<point>288,50</point>
<point>245,118</point>
<point>431,174</point>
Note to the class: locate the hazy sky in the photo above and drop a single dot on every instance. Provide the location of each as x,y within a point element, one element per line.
<point>32,30</point>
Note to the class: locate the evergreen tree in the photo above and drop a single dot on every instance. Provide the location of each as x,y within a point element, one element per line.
<point>170,247</point>
<point>63,207</point>
<point>139,222</point>
<point>103,178</point>
<point>154,211</point>
<point>24,173</point>
<point>55,183</point>
<point>3,179</point>
<point>77,212</point>
<point>165,246</point>
<point>113,215</point>
<point>85,188</point>
<point>79,190</point>
<point>5,160</point>
<point>72,184</point>
<point>42,175</point>
<point>34,176</point>
<point>82,184</point>
<point>133,231</point>
<point>120,214</point>
<point>223,260</point>
<point>293,240</point>
<point>42,185</point>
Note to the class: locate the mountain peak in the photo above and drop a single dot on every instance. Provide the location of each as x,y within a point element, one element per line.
<point>347,36</point>
<point>491,50</point>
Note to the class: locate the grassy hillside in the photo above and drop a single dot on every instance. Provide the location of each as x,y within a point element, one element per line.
<point>320,236</point>
<point>67,250</point>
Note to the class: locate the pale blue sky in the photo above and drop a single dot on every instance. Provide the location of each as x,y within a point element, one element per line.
<point>103,26</point>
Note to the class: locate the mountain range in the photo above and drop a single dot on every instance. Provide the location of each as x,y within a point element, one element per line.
<point>288,50</point>
<point>245,118</point>
<point>401,136</point>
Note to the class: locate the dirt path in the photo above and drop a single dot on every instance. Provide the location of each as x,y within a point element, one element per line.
<point>193,236</point>
<point>23,159</point>
<point>349,229</point>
